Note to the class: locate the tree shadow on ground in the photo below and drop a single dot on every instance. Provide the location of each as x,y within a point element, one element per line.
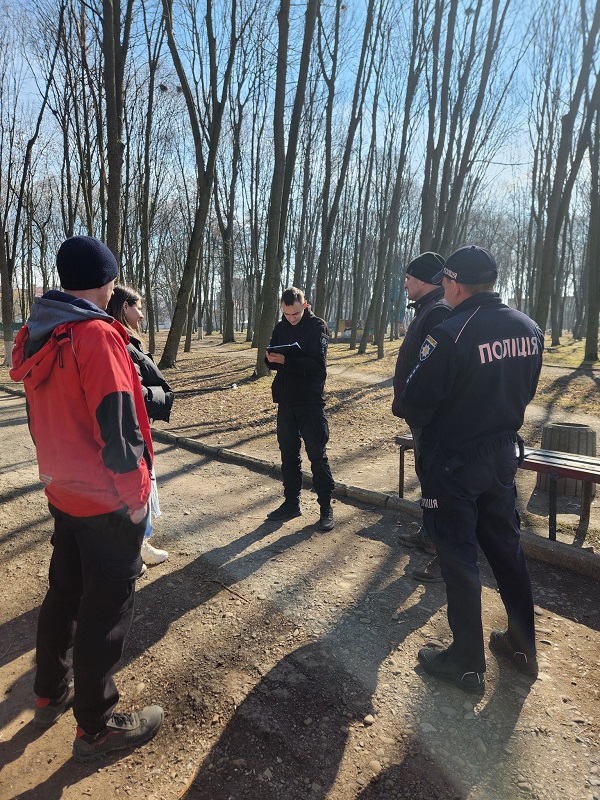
<point>291,731</point>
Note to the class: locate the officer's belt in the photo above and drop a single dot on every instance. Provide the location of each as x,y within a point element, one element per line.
<point>478,453</point>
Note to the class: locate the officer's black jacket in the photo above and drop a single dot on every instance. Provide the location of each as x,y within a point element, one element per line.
<point>430,310</point>
<point>302,378</point>
<point>477,372</point>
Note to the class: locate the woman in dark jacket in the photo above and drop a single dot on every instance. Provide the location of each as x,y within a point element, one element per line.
<point>126,306</point>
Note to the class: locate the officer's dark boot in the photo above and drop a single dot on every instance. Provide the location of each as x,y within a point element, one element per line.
<point>287,510</point>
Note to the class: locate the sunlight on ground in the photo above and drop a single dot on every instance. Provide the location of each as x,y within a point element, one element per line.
<point>569,353</point>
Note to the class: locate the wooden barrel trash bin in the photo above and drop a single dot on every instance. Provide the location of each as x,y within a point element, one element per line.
<point>567,437</point>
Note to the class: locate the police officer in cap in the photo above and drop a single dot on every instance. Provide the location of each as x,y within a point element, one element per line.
<point>477,372</point>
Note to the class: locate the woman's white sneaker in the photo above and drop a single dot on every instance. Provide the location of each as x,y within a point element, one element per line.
<point>152,555</point>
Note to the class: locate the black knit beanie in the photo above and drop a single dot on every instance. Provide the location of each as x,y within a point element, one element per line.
<point>85,263</point>
<point>425,266</point>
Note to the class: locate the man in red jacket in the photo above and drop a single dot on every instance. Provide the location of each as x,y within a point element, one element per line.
<point>92,436</point>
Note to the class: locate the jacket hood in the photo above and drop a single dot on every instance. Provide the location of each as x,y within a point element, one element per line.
<point>57,308</point>
<point>53,313</point>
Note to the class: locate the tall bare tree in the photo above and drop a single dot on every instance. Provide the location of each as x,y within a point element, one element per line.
<point>217,92</point>
<point>465,126</point>
<point>16,187</point>
<point>593,260</point>
<point>573,141</point>
<point>283,168</point>
<point>371,34</point>
<point>115,44</point>
<point>390,220</point>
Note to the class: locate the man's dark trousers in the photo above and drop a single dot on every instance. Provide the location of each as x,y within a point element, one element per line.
<point>306,421</point>
<point>476,504</point>
<point>89,607</point>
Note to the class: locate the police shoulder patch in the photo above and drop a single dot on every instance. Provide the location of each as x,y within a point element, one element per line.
<point>324,341</point>
<point>427,348</point>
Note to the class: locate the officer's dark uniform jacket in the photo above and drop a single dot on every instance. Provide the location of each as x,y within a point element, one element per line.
<point>302,378</point>
<point>493,355</point>
<point>430,310</point>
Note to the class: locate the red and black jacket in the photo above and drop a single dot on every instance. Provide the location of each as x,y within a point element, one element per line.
<point>86,410</point>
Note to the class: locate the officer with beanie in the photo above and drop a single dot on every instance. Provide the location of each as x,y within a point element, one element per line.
<point>477,372</point>
<point>87,419</point>
<point>430,308</point>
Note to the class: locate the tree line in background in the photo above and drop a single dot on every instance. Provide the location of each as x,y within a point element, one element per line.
<point>226,148</point>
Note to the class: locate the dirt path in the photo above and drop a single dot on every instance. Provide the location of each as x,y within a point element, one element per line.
<point>285,658</point>
<point>219,410</point>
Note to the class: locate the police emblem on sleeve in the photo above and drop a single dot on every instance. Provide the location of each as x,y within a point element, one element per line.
<point>324,342</point>
<point>427,348</point>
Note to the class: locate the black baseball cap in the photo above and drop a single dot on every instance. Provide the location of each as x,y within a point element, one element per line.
<point>470,265</point>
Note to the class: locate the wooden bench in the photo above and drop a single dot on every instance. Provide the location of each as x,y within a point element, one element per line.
<point>552,463</point>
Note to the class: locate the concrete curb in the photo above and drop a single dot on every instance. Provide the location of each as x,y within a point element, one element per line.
<point>559,554</point>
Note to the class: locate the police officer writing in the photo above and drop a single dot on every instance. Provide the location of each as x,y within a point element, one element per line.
<point>427,301</point>
<point>298,351</point>
<point>477,372</point>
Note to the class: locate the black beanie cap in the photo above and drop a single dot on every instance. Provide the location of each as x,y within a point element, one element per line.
<point>85,263</point>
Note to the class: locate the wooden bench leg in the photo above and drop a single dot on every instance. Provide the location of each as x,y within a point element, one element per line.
<point>552,508</point>
<point>586,502</point>
<point>401,473</point>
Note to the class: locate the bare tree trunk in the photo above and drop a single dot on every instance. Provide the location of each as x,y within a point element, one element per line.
<point>283,170</point>
<point>269,292</point>
<point>115,55</point>
<point>153,58</point>
<point>377,314</point>
<point>566,168</point>
<point>437,117</point>
<point>303,233</point>
<point>226,221</point>
<point>593,293</point>
<point>330,212</point>
<point>557,299</point>
<point>8,248</point>
<point>206,172</point>
<point>469,149</point>
<point>360,246</point>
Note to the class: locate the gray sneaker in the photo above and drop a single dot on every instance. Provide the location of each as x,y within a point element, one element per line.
<point>122,732</point>
<point>418,539</point>
<point>47,711</point>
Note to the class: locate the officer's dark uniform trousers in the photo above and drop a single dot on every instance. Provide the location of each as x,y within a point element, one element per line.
<point>307,422</point>
<point>476,504</point>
